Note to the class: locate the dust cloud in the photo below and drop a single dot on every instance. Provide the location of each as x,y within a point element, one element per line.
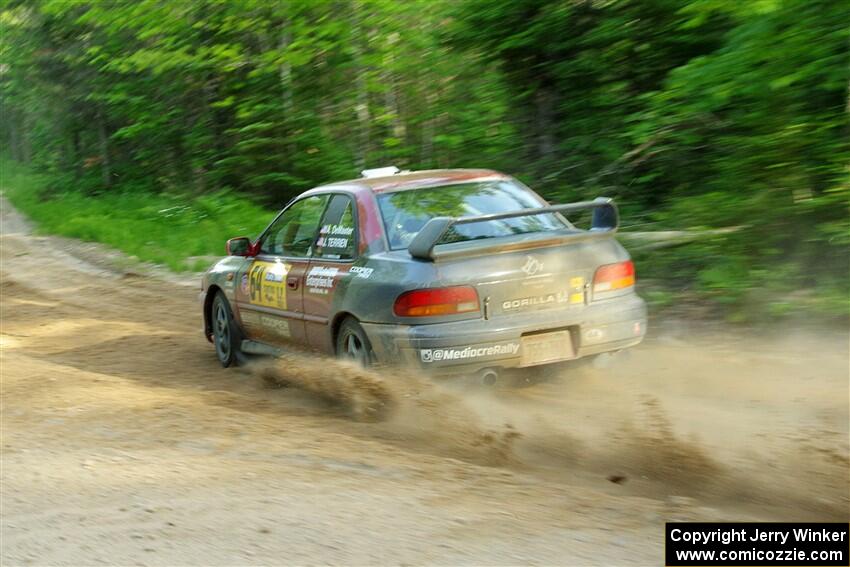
<point>704,420</point>
<point>410,407</point>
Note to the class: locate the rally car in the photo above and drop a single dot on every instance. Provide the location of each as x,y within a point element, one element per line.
<point>454,271</point>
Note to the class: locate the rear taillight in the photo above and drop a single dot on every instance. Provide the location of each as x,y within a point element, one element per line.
<point>437,301</point>
<point>612,277</point>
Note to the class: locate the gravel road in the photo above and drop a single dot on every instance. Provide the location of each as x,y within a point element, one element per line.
<point>124,442</point>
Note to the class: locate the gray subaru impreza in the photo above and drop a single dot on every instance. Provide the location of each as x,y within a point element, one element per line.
<point>453,271</point>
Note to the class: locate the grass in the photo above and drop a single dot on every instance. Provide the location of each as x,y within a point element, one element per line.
<point>714,277</point>
<point>161,228</point>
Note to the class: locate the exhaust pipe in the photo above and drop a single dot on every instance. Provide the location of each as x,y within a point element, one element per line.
<point>488,376</point>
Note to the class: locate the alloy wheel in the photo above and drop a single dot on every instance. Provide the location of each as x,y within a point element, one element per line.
<point>354,349</point>
<point>221,331</point>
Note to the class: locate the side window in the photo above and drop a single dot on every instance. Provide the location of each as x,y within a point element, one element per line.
<point>338,234</point>
<point>293,233</point>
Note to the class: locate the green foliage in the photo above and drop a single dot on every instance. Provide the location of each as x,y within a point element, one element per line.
<point>695,114</point>
<point>269,98</point>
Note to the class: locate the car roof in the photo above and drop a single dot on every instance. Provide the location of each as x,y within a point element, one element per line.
<point>417,179</point>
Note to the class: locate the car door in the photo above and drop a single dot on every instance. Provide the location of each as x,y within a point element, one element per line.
<point>330,263</point>
<point>270,292</point>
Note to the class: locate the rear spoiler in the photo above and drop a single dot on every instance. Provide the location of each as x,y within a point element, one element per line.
<point>605,221</point>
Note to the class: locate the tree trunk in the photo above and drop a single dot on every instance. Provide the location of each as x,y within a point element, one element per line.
<point>848,97</point>
<point>26,145</point>
<point>544,102</point>
<point>286,67</point>
<point>103,139</point>
<point>77,153</point>
<point>14,136</point>
<point>285,73</point>
<point>427,156</point>
<point>361,86</point>
<point>390,96</point>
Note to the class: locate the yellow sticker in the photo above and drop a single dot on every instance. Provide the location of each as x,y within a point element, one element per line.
<point>577,282</point>
<point>267,284</point>
<point>577,298</point>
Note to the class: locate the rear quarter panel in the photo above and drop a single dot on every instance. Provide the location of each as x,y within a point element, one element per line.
<point>370,290</point>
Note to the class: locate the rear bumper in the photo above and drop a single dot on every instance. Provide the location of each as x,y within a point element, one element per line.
<point>469,346</point>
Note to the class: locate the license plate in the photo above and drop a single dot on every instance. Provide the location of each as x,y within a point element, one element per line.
<point>545,348</point>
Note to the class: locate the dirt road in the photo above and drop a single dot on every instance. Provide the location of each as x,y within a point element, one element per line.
<point>124,441</point>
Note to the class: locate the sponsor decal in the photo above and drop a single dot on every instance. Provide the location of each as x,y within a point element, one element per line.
<point>577,287</point>
<point>276,325</point>
<point>361,272</point>
<point>321,278</point>
<point>532,266</point>
<point>275,275</point>
<point>534,301</point>
<point>249,317</point>
<point>574,295</point>
<point>244,284</point>
<point>594,335</point>
<point>465,353</point>
<point>266,285</point>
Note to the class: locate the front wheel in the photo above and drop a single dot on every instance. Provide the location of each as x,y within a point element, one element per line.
<point>225,333</point>
<point>353,344</point>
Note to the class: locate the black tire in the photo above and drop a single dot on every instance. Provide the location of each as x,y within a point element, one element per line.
<point>226,334</point>
<point>353,344</point>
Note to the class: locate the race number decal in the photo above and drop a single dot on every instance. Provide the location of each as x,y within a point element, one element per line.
<point>267,284</point>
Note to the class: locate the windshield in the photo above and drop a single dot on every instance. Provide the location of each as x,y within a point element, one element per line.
<point>406,212</point>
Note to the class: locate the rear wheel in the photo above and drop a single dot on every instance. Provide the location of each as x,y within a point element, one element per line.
<point>225,333</point>
<point>353,344</point>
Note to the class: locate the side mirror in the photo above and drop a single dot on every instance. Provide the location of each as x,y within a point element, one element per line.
<point>239,246</point>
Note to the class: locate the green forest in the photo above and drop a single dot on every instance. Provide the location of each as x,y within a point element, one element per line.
<point>164,127</point>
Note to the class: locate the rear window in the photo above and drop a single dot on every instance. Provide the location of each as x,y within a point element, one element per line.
<point>405,213</point>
